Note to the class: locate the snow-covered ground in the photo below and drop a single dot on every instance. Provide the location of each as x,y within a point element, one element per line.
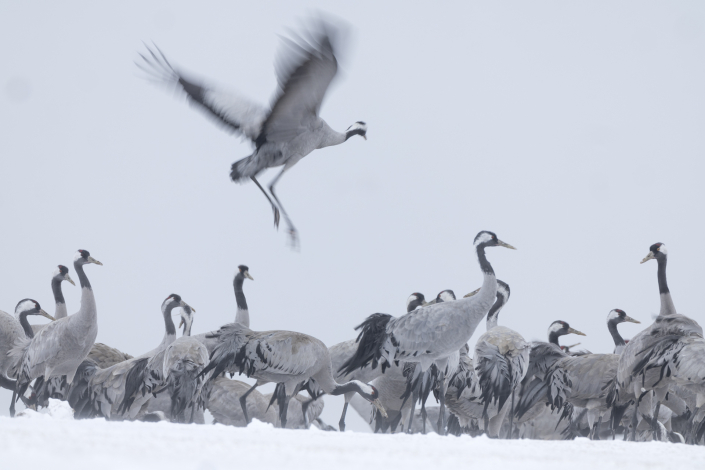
<point>55,439</point>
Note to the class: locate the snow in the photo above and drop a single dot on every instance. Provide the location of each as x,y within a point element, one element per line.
<point>57,440</point>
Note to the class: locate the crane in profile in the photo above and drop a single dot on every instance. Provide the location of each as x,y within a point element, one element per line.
<point>289,130</point>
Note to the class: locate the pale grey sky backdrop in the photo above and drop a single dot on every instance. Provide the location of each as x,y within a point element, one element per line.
<point>572,130</point>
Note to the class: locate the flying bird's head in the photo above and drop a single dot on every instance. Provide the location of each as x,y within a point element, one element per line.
<point>359,128</point>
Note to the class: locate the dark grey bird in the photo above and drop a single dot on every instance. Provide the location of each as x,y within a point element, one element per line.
<point>60,347</point>
<point>13,330</point>
<point>432,334</point>
<point>651,358</point>
<point>291,360</point>
<point>56,387</point>
<point>183,361</point>
<point>291,128</point>
<point>501,362</point>
<point>116,392</point>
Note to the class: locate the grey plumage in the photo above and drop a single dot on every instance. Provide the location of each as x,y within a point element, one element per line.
<point>501,362</point>
<point>61,346</point>
<point>105,356</point>
<point>291,128</point>
<point>119,391</point>
<point>289,359</point>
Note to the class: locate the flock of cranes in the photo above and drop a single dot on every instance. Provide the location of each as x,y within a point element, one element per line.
<point>649,388</point>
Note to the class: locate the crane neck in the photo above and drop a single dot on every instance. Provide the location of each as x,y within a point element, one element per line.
<point>667,307</point>
<point>618,340</point>
<point>88,305</point>
<point>60,311</point>
<point>493,313</point>
<point>243,315</point>
<point>83,279</point>
<point>482,259</point>
<point>553,338</point>
<point>29,333</point>
<point>170,329</point>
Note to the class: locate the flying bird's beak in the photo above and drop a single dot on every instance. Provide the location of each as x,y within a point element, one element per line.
<point>648,257</point>
<point>630,319</point>
<point>506,245</point>
<point>94,261</point>
<point>44,314</point>
<point>378,404</point>
<point>247,275</point>
<point>68,278</point>
<point>576,332</point>
<point>472,293</point>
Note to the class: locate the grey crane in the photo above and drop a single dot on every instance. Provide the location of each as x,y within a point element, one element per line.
<point>12,330</point>
<point>289,359</point>
<point>105,356</point>
<point>501,362</point>
<point>647,358</point>
<point>432,334</point>
<point>289,130</point>
<point>60,347</point>
<point>243,313</point>
<point>55,387</point>
<point>183,361</point>
<point>109,392</point>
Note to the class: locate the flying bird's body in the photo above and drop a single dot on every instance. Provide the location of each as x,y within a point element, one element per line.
<point>291,128</point>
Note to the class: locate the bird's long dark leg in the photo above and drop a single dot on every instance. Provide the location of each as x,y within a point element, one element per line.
<point>511,418</point>
<point>293,234</point>
<point>341,423</point>
<point>442,399</point>
<point>274,206</point>
<point>243,402</point>
<point>283,408</point>
<point>12,404</point>
<point>655,423</point>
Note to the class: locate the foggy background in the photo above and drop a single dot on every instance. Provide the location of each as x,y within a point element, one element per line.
<point>573,131</point>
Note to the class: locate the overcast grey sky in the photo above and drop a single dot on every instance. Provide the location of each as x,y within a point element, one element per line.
<point>572,130</point>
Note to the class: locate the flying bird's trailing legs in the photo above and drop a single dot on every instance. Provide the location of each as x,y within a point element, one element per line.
<point>293,236</point>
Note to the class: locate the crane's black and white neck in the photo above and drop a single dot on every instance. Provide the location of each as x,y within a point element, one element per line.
<point>503,293</point>
<point>26,307</point>
<point>560,328</point>
<point>61,274</point>
<point>483,240</point>
<point>186,319</point>
<point>243,315</point>
<point>659,252</point>
<point>415,301</point>
<point>614,318</point>
<point>169,304</point>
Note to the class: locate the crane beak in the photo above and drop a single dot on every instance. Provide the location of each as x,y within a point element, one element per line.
<point>630,319</point>
<point>247,275</point>
<point>94,261</point>
<point>181,323</point>
<point>648,257</point>
<point>572,346</point>
<point>68,278</point>
<point>576,332</point>
<point>472,293</point>
<point>44,314</point>
<point>378,404</point>
<point>506,245</point>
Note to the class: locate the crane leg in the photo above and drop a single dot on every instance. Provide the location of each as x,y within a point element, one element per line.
<point>293,234</point>
<point>442,398</point>
<point>12,404</point>
<point>341,423</point>
<point>243,402</point>
<point>274,206</point>
<point>283,407</point>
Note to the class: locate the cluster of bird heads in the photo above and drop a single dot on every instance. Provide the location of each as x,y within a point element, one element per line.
<point>620,316</point>
<point>358,128</point>
<point>245,271</point>
<point>84,257</point>
<point>417,299</point>
<point>656,251</point>
<point>486,238</point>
<point>30,307</point>
<point>62,274</point>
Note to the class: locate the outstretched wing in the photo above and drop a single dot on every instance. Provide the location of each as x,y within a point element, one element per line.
<point>231,111</point>
<point>305,69</point>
